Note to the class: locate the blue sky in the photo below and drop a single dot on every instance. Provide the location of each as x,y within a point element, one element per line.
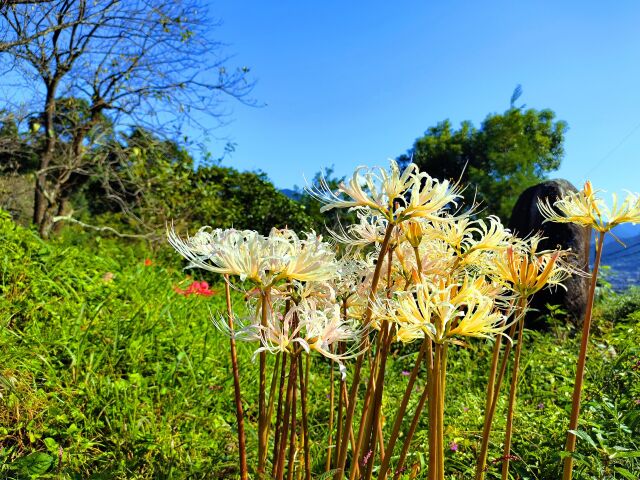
<point>351,83</point>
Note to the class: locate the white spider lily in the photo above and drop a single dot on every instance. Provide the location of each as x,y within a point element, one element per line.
<point>376,189</point>
<point>396,195</point>
<point>444,311</point>
<point>586,208</point>
<point>369,230</point>
<point>524,270</point>
<point>310,259</point>
<point>428,197</point>
<point>246,254</point>
<point>251,256</point>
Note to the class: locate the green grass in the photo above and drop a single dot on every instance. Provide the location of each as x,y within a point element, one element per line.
<point>125,379</point>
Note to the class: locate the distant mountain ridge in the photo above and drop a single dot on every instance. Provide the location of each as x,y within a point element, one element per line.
<point>624,261</point>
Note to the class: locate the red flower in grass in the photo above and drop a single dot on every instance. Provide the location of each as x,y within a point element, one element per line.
<point>196,288</point>
<point>147,262</point>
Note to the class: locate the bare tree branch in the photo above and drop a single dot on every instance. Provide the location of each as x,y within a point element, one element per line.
<point>98,68</point>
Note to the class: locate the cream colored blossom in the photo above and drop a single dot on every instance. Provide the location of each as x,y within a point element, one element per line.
<point>443,311</point>
<point>262,260</point>
<point>244,253</point>
<point>586,208</point>
<point>428,198</point>
<point>309,328</point>
<point>368,230</point>
<point>397,195</point>
<point>374,188</point>
<point>310,259</point>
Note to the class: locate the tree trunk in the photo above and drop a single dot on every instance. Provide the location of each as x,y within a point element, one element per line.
<point>40,201</point>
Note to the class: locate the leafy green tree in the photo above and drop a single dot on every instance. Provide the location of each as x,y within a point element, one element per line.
<point>507,154</point>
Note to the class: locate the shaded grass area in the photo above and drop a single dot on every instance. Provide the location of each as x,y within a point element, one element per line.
<point>106,372</point>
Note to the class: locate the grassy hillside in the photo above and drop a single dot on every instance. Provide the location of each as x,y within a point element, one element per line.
<point>107,372</point>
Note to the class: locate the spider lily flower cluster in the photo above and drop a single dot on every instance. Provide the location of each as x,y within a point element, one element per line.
<point>414,268</point>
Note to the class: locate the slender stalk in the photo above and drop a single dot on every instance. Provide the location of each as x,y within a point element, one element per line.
<point>304,383</point>
<point>272,391</point>
<point>262,403</point>
<point>570,447</point>
<point>367,414</point>
<point>412,430</point>
<point>489,414</point>
<point>291,467</point>
<point>286,418</point>
<point>434,423</point>
<point>342,457</point>
<point>278,425</point>
<point>416,415</point>
<point>331,408</point>
<point>336,449</point>
<point>380,437</point>
<point>371,416</point>
<point>377,404</point>
<point>440,418</point>
<point>395,432</point>
<point>512,400</point>
<point>342,397</point>
<point>242,449</point>
<point>495,356</point>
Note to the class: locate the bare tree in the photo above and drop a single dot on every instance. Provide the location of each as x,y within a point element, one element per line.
<point>136,62</point>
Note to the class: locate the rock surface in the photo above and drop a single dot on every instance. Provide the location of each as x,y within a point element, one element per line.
<point>527,220</point>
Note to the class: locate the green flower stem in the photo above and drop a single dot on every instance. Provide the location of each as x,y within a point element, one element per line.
<point>291,464</point>
<point>512,400</point>
<point>278,424</point>
<point>435,443</point>
<point>489,414</point>
<point>395,432</point>
<point>304,385</point>
<point>242,449</point>
<point>416,415</point>
<point>289,400</point>
<point>331,409</point>
<point>353,393</point>
<point>582,359</point>
<point>377,404</point>
<point>262,401</point>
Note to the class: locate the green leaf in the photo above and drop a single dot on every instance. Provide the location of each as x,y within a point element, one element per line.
<point>625,473</point>
<point>582,435</point>
<point>33,464</point>
<point>328,475</point>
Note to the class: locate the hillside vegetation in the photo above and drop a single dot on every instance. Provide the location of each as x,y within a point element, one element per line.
<point>107,371</point>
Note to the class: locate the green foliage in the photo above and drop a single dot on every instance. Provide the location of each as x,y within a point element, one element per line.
<point>105,368</point>
<point>332,219</point>
<point>507,154</point>
<point>160,183</point>
<point>619,306</point>
<point>106,372</point>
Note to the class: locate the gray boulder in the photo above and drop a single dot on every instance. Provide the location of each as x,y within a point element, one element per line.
<point>527,220</point>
